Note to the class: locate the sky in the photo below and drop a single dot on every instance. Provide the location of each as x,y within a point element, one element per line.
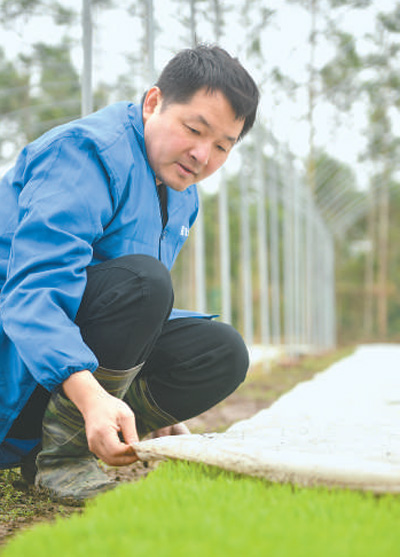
<point>285,44</point>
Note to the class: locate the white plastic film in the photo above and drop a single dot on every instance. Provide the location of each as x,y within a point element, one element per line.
<point>342,428</point>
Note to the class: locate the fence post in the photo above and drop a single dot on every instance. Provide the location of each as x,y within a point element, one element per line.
<point>224,243</point>
<point>87,44</point>
<point>246,259</point>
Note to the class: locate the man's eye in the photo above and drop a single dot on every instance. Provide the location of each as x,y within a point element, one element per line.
<point>221,148</point>
<point>193,130</point>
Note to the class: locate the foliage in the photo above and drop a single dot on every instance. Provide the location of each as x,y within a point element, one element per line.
<point>11,10</point>
<point>339,76</point>
<point>13,91</point>
<point>353,3</point>
<point>39,89</point>
<point>34,109</point>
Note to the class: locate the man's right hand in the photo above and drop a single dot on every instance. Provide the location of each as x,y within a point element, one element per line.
<point>106,418</point>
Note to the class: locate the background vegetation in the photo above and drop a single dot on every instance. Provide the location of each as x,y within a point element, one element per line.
<point>345,72</point>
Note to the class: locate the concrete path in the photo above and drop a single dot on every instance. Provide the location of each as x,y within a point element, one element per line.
<point>342,428</point>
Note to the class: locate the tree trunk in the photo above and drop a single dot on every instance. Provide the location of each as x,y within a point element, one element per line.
<point>383,257</point>
<point>369,266</point>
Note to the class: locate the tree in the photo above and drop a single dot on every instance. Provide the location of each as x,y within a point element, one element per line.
<point>57,97</point>
<point>16,75</point>
<point>347,78</point>
<point>12,10</point>
<point>47,93</point>
<point>40,87</point>
<point>14,88</point>
<point>383,145</point>
<point>324,81</point>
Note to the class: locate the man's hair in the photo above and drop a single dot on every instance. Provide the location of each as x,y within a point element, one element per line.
<point>213,69</point>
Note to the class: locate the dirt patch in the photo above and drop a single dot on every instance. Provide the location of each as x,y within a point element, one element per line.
<point>21,506</point>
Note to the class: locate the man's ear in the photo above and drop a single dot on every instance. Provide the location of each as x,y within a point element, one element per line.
<point>152,102</point>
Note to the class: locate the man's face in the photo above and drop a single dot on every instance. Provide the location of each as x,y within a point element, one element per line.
<point>187,142</point>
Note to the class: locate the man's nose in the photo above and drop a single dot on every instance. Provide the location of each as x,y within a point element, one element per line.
<point>201,152</point>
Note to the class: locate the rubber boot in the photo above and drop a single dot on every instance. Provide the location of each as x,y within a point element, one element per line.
<point>28,465</point>
<point>148,415</point>
<point>67,470</point>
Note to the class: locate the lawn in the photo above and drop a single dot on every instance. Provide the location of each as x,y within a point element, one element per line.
<point>184,509</point>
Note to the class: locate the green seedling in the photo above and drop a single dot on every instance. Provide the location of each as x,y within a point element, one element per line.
<point>183,510</point>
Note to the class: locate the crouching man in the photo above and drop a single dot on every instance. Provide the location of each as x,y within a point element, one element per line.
<point>92,217</point>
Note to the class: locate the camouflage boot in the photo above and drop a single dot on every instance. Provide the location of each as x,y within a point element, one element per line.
<point>148,415</point>
<point>67,470</point>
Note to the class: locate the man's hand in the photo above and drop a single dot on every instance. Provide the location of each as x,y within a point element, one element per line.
<point>106,418</point>
<point>104,422</point>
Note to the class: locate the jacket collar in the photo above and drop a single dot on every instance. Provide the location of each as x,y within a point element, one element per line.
<point>136,118</point>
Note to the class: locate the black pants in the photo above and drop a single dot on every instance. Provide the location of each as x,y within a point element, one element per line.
<point>190,364</point>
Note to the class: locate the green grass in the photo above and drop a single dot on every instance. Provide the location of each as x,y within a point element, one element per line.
<point>191,510</point>
<point>14,504</point>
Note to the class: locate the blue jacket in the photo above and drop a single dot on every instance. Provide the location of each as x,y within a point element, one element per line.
<point>80,194</point>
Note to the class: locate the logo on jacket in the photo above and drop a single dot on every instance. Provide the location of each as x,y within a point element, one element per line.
<point>184,231</point>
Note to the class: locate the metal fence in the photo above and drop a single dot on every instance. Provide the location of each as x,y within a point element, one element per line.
<point>293,264</point>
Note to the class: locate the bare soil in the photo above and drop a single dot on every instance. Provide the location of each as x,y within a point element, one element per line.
<point>22,506</point>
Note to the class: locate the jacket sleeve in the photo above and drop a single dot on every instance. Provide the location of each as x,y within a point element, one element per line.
<point>64,207</point>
